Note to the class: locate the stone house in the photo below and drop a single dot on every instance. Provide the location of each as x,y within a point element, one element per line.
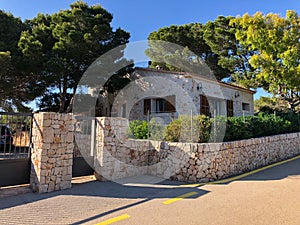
<point>166,95</point>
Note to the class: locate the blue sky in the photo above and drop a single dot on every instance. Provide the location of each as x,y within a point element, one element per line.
<point>142,17</point>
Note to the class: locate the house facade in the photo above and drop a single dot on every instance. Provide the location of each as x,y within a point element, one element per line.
<point>166,95</point>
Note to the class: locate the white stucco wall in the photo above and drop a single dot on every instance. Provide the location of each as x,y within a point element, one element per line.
<point>186,88</point>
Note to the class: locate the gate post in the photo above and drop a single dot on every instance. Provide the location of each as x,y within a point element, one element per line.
<point>110,141</point>
<point>52,151</point>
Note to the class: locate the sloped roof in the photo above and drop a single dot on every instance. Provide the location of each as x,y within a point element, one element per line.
<point>197,76</point>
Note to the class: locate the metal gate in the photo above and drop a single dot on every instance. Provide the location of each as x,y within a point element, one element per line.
<point>15,142</point>
<point>83,158</point>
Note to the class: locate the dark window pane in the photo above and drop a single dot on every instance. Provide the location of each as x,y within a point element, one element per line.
<point>229,108</point>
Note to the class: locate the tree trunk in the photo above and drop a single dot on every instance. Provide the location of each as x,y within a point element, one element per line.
<point>62,102</point>
<point>63,96</point>
<point>70,106</point>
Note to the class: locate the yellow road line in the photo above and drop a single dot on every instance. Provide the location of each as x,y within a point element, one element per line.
<point>114,220</point>
<point>172,200</point>
<point>242,175</point>
<point>191,185</point>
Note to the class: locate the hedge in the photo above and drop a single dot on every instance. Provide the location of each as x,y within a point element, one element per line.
<point>201,128</point>
<point>140,129</point>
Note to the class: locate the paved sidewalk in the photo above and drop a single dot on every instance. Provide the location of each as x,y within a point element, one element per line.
<point>84,202</point>
<point>270,196</point>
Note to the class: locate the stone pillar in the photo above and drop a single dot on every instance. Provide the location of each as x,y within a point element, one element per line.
<point>110,153</point>
<point>52,152</point>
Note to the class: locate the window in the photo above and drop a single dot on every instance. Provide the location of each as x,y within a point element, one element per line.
<point>160,105</point>
<point>229,108</point>
<point>147,106</point>
<point>204,106</point>
<point>210,106</point>
<point>245,106</point>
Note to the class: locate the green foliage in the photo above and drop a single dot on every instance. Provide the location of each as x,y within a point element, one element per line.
<point>190,38</point>
<point>185,129</point>
<point>265,104</point>
<point>16,87</point>
<point>218,129</point>
<point>213,42</point>
<point>50,102</point>
<point>156,130</point>
<point>204,129</point>
<point>270,105</point>
<point>173,130</point>
<point>138,129</point>
<point>50,53</point>
<point>276,61</point>
<point>255,126</point>
<point>254,51</point>
<point>60,47</point>
<point>16,122</point>
<point>10,31</point>
<point>233,57</point>
<point>293,118</point>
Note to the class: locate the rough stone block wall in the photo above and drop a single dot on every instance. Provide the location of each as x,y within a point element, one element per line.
<point>215,161</point>
<point>52,152</point>
<point>118,157</point>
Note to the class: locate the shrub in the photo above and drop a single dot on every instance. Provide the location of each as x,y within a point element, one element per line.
<point>156,129</point>
<point>173,130</point>
<point>239,128</point>
<point>294,118</point>
<point>138,129</point>
<point>185,129</point>
<point>201,128</point>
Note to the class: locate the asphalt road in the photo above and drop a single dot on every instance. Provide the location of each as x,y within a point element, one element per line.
<point>270,196</point>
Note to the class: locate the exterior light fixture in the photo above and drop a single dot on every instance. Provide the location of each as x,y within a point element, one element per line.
<point>237,94</point>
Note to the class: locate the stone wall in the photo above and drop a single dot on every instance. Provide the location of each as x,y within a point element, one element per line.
<point>52,152</point>
<point>215,161</point>
<point>118,157</point>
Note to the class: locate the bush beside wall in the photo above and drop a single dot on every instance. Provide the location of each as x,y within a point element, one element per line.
<point>202,129</point>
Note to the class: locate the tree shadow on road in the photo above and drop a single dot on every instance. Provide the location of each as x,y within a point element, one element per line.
<point>114,196</point>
